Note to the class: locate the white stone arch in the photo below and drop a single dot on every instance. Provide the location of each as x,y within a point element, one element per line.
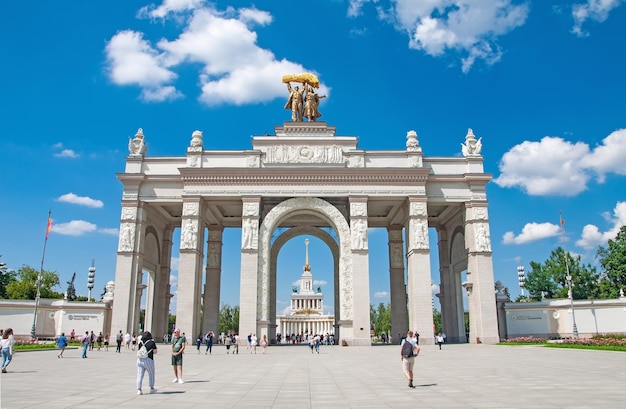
<point>455,313</point>
<point>324,210</point>
<point>278,245</point>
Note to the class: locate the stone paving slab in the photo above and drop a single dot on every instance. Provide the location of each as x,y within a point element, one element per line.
<point>458,376</point>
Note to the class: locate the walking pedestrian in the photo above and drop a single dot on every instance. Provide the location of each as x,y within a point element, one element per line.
<point>118,340</point>
<point>408,351</point>
<point>7,343</point>
<point>85,343</point>
<point>199,342</point>
<point>439,339</point>
<point>61,343</point>
<point>209,342</point>
<point>264,343</point>
<point>145,361</point>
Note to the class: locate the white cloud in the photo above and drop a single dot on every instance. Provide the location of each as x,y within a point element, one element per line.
<point>594,10</point>
<point>467,27</point>
<point>532,232</point>
<point>592,237</point>
<point>66,153</point>
<point>109,230</point>
<point>381,294</point>
<point>554,166</point>
<point>80,200</point>
<point>74,228</point>
<point>169,7</point>
<point>132,61</point>
<point>434,288</point>
<point>234,69</point>
<point>609,157</point>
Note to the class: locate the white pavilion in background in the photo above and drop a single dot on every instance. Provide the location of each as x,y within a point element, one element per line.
<point>307,308</point>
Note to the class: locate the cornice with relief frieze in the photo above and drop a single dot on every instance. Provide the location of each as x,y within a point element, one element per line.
<point>290,179</point>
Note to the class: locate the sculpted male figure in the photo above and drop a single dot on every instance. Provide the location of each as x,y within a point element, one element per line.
<point>294,102</point>
<point>311,110</point>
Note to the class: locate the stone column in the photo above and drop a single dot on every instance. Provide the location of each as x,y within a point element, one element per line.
<point>163,284</point>
<point>399,318</point>
<point>249,285</point>
<point>211,310</point>
<point>480,283</point>
<point>125,315</point>
<point>450,297</point>
<point>418,271</point>
<point>190,268</point>
<point>360,271</point>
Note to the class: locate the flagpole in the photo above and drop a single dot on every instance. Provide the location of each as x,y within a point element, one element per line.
<point>570,285</point>
<point>40,275</point>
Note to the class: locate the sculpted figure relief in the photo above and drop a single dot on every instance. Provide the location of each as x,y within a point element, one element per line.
<point>471,147</point>
<point>294,102</point>
<point>301,105</point>
<point>137,146</point>
<point>311,111</point>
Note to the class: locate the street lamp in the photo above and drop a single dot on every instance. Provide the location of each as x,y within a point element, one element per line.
<point>521,278</point>
<point>91,278</point>
<point>570,290</point>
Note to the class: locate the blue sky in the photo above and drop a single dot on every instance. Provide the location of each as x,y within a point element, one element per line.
<point>541,82</point>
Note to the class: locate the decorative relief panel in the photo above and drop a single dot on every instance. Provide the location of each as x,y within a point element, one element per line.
<point>480,213</point>
<point>419,234</point>
<point>358,209</point>
<point>359,234</point>
<point>191,209</point>
<point>189,235</point>
<point>127,237</point>
<point>193,161</point>
<point>129,213</point>
<point>483,240</point>
<point>356,161</point>
<point>250,209</point>
<point>249,233</point>
<point>396,260</point>
<point>253,162</point>
<point>417,209</point>
<point>304,154</point>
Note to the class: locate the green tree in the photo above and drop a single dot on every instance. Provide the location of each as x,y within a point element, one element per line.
<point>229,319</point>
<point>550,278</point>
<point>25,285</point>
<point>380,317</point>
<point>613,262</point>
<point>6,276</point>
<point>437,321</point>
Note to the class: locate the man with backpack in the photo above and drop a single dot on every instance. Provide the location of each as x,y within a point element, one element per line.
<point>408,351</point>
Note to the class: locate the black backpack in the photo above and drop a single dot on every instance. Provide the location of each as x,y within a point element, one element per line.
<point>407,349</point>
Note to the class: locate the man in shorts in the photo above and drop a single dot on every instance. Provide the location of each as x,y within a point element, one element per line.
<point>407,355</point>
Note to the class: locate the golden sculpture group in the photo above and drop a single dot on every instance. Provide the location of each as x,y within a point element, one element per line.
<point>304,102</point>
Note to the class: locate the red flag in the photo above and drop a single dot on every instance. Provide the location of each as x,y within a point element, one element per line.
<point>49,226</point>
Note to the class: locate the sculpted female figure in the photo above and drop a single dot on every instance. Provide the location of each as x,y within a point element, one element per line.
<point>311,111</point>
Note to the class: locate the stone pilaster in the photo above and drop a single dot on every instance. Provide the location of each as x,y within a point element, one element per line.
<point>480,281</point>
<point>418,270</point>
<point>251,294</point>
<point>360,271</point>
<point>128,268</point>
<point>211,313</point>
<point>190,268</point>
<point>399,317</point>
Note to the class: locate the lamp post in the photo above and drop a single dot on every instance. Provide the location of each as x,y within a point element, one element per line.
<point>521,278</point>
<point>91,278</point>
<point>570,290</point>
<point>568,277</point>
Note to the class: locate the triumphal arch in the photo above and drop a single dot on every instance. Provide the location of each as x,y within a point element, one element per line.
<point>305,179</point>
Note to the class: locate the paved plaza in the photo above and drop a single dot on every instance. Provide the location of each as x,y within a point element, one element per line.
<point>458,376</point>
